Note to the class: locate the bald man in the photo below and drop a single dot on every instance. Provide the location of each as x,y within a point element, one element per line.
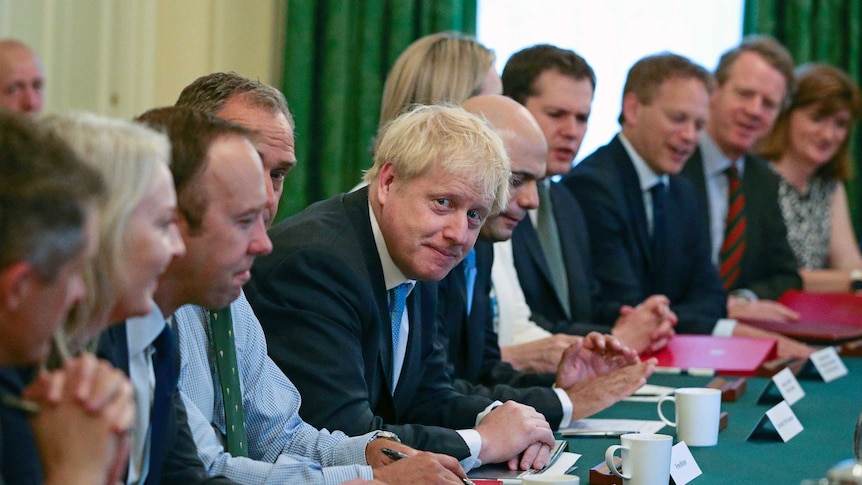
<point>465,320</point>
<point>21,78</point>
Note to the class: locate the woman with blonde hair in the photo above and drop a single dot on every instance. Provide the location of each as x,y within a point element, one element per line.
<point>138,234</point>
<point>809,148</point>
<point>446,67</point>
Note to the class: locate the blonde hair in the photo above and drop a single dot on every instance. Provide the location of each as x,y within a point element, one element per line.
<point>447,137</point>
<point>126,154</point>
<point>830,89</point>
<point>446,67</point>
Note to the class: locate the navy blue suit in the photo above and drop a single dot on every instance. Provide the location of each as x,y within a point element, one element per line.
<point>321,300</point>
<point>173,453</point>
<point>768,266</point>
<point>472,348</point>
<point>590,310</point>
<point>608,184</point>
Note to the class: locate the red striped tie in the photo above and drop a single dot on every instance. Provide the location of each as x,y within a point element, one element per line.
<point>733,247</point>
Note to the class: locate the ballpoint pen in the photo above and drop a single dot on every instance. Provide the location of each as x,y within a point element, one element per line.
<point>397,455</point>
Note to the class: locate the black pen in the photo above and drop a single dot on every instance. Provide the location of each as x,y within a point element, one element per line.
<point>394,454</point>
<point>397,455</point>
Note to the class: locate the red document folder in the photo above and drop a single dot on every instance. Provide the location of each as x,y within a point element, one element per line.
<point>730,356</point>
<point>825,317</point>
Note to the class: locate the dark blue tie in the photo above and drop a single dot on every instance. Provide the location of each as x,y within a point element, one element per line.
<point>164,368</point>
<point>659,227</point>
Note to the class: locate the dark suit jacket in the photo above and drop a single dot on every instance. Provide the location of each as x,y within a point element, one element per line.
<point>472,348</point>
<point>20,462</point>
<point>768,265</point>
<point>321,299</point>
<point>176,451</point>
<point>590,311</point>
<point>607,182</point>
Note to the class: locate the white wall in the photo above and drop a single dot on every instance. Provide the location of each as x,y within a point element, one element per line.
<point>121,58</point>
<point>611,35</point>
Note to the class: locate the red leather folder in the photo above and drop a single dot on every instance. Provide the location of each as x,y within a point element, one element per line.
<point>825,317</point>
<point>730,356</point>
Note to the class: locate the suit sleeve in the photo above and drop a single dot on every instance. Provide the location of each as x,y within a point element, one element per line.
<point>778,264</point>
<point>182,464</point>
<point>321,321</point>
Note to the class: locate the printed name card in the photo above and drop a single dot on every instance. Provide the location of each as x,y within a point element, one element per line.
<point>784,421</point>
<point>788,386</point>
<point>829,364</point>
<point>683,468</point>
<point>779,420</point>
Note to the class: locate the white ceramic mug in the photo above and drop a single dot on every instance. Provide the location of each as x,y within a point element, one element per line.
<point>697,414</point>
<point>550,479</point>
<point>646,458</point>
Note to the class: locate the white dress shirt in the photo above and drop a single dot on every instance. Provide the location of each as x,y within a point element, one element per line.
<point>141,332</point>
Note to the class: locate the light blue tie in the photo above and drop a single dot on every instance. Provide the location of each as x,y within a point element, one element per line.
<point>397,303</point>
<point>470,277</point>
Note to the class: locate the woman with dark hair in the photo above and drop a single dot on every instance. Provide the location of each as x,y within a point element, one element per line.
<point>809,148</point>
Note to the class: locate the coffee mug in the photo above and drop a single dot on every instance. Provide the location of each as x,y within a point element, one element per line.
<point>646,458</point>
<point>550,479</point>
<point>697,415</point>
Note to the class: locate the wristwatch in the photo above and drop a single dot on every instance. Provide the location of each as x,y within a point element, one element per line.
<point>856,280</point>
<point>389,435</point>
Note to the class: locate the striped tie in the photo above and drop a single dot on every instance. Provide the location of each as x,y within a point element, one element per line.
<point>733,247</point>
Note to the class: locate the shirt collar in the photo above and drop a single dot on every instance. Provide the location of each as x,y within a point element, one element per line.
<point>142,331</point>
<point>392,276</point>
<point>646,175</point>
<point>715,162</point>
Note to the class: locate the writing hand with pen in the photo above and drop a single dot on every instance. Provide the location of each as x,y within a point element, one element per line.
<point>421,468</point>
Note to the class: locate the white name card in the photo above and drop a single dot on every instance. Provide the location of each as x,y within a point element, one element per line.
<point>788,386</point>
<point>784,421</point>
<point>683,468</point>
<point>829,364</point>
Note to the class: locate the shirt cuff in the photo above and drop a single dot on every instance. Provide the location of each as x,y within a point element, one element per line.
<point>474,442</point>
<point>724,327</point>
<point>567,407</point>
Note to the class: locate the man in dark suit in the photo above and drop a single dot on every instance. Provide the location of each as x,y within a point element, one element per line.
<point>753,82</point>
<point>465,319</point>
<point>347,299</point>
<point>646,226</point>
<point>556,85</point>
<point>48,234</point>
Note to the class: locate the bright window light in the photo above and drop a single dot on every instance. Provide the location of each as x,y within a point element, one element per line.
<point>611,35</point>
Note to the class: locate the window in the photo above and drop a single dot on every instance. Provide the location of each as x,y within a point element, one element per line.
<point>611,35</point>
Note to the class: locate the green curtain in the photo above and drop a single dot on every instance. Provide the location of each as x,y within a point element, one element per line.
<point>817,30</point>
<point>336,58</point>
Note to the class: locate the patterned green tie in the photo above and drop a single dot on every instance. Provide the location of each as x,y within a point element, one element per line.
<point>221,325</point>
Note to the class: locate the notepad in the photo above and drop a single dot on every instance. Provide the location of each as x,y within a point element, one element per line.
<point>560,462</point>
<point>732,356</point>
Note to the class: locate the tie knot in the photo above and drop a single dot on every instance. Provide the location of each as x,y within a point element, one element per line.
<point>398,297</point>
<point>470,260</point>
<point>732,172</point>
<point>658,188</point>
<point>163,343</point>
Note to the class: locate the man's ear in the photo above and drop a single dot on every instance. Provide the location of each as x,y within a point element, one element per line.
<point>631,105</point>
<point>385,182</point>
<point>15,282</point>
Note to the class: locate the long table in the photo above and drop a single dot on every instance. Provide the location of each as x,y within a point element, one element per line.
<point>828,413</point>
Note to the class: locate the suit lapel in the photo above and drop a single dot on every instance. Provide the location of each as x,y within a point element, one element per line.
<point>634,200</point>
<point>356,207</point>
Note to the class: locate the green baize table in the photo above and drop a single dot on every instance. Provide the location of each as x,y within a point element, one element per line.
<point>828,414</point>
